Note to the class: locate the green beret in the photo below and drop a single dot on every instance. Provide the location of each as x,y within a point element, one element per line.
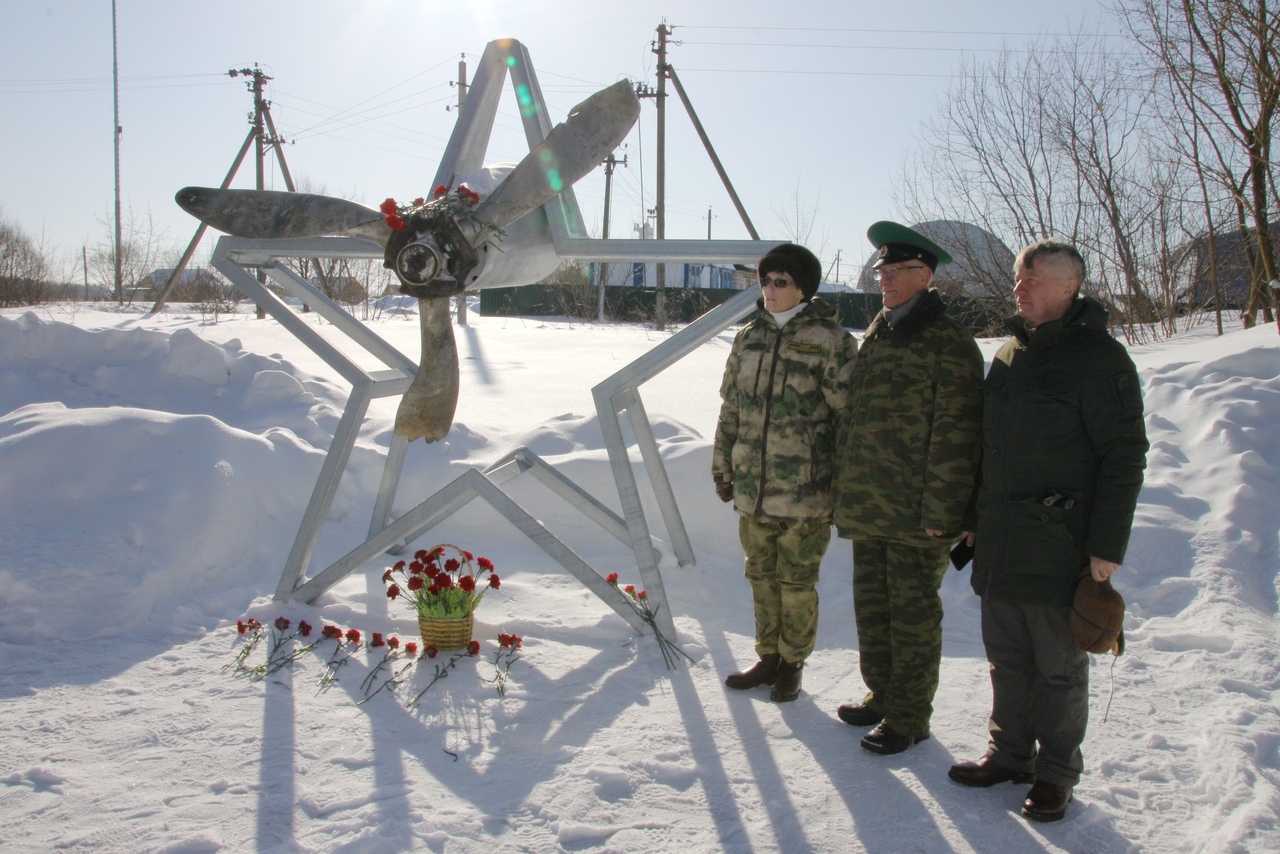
<point>897,243</point>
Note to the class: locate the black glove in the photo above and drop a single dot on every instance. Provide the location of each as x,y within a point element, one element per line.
<point>724,489</point>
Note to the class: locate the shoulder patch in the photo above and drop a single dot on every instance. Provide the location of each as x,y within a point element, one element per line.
<point>808,349</point>
<point>1127,392</point>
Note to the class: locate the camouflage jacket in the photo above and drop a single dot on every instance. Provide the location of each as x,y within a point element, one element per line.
<point>911,441</point>
<point>783,393</point>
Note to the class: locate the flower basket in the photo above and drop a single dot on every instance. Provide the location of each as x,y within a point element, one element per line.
<point>446,633</point>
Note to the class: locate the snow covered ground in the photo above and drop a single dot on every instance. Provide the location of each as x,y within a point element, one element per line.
<point>153,474</point>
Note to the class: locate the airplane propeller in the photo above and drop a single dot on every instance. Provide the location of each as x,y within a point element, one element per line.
<point>436,252</point>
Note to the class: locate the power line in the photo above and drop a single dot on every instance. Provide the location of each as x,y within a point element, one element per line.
<point>872,30</point>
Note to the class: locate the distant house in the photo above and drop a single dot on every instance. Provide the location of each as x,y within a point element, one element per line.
<point>645,275</point>
<point>194,284</point>
<point>1195,287</point>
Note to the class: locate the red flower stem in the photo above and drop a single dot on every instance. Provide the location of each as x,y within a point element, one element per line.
<point>393,680</point>
<point>373,674</point>
<point>441,672</point>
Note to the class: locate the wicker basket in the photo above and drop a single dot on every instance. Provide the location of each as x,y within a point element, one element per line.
<point>446,633</point>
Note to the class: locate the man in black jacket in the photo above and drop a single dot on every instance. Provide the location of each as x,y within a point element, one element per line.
<point>1064,448</point>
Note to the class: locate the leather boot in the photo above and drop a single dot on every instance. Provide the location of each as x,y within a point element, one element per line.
<point>763,672</point>
<point>787,686</point>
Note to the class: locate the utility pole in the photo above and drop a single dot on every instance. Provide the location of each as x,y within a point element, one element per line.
<point>708,222</point>
<point>261,116</point>
<point>660,314</point>
<point>610,163</point>
<point>117,130</point>
<point>462,97</point>
<point>258,150</point>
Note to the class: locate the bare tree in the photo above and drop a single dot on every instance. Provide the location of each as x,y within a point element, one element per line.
<point>140,252</point>
<point>24,269</point>
<point>797,217</point>
<point>1223,59</point>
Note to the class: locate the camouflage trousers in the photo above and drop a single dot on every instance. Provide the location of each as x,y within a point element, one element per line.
<point>899,615</point>
<point>782,566</point>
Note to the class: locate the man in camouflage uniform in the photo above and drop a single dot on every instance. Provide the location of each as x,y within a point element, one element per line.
<point>908,457</point>
<point>784,390</point>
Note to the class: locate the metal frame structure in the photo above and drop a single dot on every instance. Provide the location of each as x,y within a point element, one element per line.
<point>234,257</point>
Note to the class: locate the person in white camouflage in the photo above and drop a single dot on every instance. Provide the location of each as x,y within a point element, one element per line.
<point>784,389</point>
<point>909,453</point>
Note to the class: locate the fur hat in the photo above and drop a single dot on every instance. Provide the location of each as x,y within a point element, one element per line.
<point>1097,616</point>
<point>797,262</point>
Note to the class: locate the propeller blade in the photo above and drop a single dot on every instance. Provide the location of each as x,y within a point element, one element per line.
<point>572,149</point>
<point>268,214</point>
<point>426,410</point>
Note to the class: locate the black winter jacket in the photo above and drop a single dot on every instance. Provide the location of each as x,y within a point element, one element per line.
<point>1064,448</point>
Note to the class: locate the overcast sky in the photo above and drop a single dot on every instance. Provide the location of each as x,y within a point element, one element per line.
<point>817,99</point>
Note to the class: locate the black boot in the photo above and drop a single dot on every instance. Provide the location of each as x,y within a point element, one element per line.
<point>763,672</point>
<point>787,686</point>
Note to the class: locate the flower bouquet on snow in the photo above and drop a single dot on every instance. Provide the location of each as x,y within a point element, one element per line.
<point>445,585</point>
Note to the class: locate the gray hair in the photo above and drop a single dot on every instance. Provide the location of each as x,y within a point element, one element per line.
<point>1053,250</point>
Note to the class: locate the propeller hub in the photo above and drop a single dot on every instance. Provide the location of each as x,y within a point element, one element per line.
<point>418,263</point>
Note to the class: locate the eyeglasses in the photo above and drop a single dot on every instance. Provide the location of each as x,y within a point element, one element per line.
<point>778,283</point>
<point>889,273</point>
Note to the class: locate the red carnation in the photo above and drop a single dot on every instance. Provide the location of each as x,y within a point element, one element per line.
<point>421,554</point>
<point>430,651</point>
<point>393,642</point>
<point>495,582</point>
<point>331,632</point>
<point>612,579</point>
<point>630,588</point>
<point>393,591</point>
<point>241,627</point>
<point>419,202</point>
<point>386,576</point>
<point>485,563</point>
<point>415,583</point>
<point>353,636</point>
<point>467,583</point>
<point>377,640</point>
<point>399,566</point>
<point>416,567</point>
<point>396,222</point>
<point>444,582</point>
<point>304,628</point>
<point>411,648</point>
<point>282,624</point>
<point>451,565</point>
<point>389,207</point>
<point>473,648</point>
<point>642,596</point>
<point>468,555</point>
<point>441,191</point>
